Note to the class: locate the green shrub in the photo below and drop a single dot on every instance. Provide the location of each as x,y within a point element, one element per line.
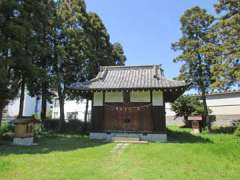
<point>71,126</point>
<point>74,126</point>
<point>6,128</point>
<point>37,130</point>
<point>6,132</point>
<point>50,124</point>
<point>237,131</point>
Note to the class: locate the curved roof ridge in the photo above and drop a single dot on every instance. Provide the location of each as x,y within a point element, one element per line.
<point>130,66</point>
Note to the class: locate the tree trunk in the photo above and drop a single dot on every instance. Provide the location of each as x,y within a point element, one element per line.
<point>61,106</point>
<point>186,121</point>
<point>1,115</point>
<point>22,95</point>
<point>44,88</point>
<point>202,87</point>
<point>3,104</point>
<point>206,117</point>
<point>85,116</point>
<point>44,101</point>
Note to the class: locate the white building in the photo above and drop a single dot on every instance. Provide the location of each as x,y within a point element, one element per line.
<point>32,105</point>
<point>225,106</point>
<point>72,109</point>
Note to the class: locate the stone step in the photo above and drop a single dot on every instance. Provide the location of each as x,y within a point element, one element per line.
<point>130,142</point>
<point>123,138</point>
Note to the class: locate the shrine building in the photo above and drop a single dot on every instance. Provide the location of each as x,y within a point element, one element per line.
<point>130,101</point>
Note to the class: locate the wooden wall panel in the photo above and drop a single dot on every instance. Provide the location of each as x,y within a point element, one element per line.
<point>97,118</point>
<point>159,119</point>
<point>126,117</point>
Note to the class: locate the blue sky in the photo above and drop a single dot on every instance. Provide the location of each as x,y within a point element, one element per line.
<point>146,28</point>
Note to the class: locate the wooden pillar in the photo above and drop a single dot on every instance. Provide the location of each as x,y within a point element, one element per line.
<point>158,112</point>
<point>126,96</point>
<point>98,111</point>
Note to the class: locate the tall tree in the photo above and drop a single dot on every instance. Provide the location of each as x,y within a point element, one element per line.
<point>226,46</point>
<point>25,13</point>
<point>14,57</point>
<point>41,18</point>
<point>195,24</point>
<point>70,45</point>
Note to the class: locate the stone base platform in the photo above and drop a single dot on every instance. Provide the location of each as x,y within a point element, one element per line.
<point>26,141</point>
<point>111,136</point>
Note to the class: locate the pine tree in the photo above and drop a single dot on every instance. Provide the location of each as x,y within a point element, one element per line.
<point>226,47</point>
<point>195,24</point>
<point>40,81</point>
<point>70,45</point>
<point>14,55</point>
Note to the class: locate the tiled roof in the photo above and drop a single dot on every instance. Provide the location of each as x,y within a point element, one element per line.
<point>128,77</point>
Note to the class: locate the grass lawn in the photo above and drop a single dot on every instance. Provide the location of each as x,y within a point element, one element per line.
<point>208,156</point>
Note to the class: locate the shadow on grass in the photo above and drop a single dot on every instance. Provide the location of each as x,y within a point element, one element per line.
<point>50,143</point>
<point>185,137</point>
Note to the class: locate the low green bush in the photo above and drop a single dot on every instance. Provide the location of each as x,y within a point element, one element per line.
<point>38,130</point>
<point>6,132</point>
<point>71,126</point>
<point>6,128</point>
<point>237,131</point>
<point>50,124</point>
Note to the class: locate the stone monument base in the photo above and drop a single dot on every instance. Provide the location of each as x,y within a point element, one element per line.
<point>24,141</point>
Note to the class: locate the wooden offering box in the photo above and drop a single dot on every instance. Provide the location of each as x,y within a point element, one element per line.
<point>196,124</point>
<point>24,130</point>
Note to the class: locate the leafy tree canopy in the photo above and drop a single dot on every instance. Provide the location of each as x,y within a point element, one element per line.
<point>15,59</point>
<point>187,106</point>
<point>226,44</point>
<point>195,24</point>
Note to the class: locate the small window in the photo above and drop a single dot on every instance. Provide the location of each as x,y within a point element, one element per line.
<point>157,98</point>
<point>114,96</point>
<point>140,96</point>
<point>98,99</point>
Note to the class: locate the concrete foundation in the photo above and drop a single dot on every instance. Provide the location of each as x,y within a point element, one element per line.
<point>27,141</point>
<point>142,136</point>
